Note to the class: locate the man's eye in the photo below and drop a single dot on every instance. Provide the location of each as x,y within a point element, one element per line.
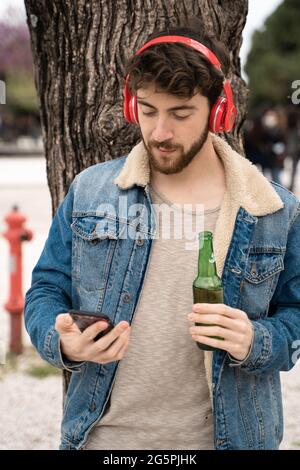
<point>175,115</point>
<point>181,117</point>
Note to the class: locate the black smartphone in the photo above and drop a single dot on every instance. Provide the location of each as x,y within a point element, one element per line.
<point>84,318</point>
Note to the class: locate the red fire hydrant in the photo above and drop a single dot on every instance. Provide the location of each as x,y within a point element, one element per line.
<point>15,235</point>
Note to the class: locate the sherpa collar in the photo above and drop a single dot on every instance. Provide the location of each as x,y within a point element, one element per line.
<point>245,183</point>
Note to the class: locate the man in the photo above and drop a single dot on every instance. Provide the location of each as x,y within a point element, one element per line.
<point>146,384</point>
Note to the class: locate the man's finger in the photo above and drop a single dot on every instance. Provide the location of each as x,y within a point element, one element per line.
<point>220,309</point>
<point>119,344</point>
<point>91,331</point>
<point>215,319</point>
<point>64,322</point>
<point>216,331</point>
<point>113,335</point>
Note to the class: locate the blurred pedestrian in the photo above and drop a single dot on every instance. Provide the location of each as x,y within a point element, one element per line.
<point>293,145</point>
<point>273,144</point>
<point>254,143</point>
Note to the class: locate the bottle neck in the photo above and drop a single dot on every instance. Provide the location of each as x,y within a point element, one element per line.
<point>206,260</point>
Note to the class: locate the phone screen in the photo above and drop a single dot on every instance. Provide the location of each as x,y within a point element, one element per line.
<point>83,319</point>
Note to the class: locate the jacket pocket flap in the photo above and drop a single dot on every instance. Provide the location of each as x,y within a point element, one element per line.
<point>95,227</point>
<point>263,265</point>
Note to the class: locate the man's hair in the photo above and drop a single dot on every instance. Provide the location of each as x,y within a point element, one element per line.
<point>178,69</point>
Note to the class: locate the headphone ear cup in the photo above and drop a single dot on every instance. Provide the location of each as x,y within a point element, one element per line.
<point>127,104</point>
<point>230,118</point>
<point>217,115</point>
<point>134,110</point>
<point>130,107</point>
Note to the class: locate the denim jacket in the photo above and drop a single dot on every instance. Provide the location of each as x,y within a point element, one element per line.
<point>96,257</point>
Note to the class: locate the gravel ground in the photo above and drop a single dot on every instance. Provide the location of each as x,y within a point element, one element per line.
<point>30,407</point>
<point>31,412</point>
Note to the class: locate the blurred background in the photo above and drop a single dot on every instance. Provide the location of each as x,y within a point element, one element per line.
<point>31,390</point>
<point>19,118</point>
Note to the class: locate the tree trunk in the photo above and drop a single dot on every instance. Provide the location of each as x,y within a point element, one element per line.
<point>79,51</point>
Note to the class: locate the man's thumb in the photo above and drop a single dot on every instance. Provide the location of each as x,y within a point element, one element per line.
<point>63,322</point>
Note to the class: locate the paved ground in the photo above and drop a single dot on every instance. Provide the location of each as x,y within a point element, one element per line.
<point>30,407</point>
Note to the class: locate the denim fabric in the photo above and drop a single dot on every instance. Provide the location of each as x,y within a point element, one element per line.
<point>95,258</point>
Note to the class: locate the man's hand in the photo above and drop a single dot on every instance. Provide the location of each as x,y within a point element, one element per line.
<point>80,346</point>
<point>229,323</point>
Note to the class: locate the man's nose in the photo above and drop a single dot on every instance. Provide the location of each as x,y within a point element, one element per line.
<point>162,131</point>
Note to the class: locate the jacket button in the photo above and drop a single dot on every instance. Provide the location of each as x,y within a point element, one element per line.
<point>92,406</point>
<point>236,270</point>
<point>220,442</point>
<point>140,242</point>
<point>94,242</point>
<point>126,298</point>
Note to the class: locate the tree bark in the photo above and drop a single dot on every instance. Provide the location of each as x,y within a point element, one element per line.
<point>80,48</point>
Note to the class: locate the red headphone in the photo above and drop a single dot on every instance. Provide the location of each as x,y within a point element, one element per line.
<point>223,112</point>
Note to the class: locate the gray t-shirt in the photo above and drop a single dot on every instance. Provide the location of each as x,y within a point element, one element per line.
<point>160,399</point>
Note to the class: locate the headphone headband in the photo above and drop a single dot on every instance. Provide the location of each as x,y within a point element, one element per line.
<point>189,42</point>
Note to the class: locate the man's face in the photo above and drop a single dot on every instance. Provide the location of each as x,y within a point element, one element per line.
<point>173,129</point>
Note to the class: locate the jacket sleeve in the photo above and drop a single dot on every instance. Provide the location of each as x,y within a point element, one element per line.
<point>276,342</point>
<point>50,291</point>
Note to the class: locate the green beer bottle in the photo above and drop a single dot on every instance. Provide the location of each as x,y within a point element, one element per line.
<point>207,287</point>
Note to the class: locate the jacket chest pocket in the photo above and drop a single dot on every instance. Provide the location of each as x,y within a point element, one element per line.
<point>260,280</point>
<point>94,251</point>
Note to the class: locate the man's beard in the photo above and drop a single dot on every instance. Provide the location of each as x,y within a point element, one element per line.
<point>174,164</point>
